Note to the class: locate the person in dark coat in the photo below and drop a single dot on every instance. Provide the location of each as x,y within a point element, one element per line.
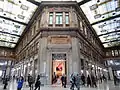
<point>30,81</point>
<point>101,79</point>
<point>75,81</point>
<point>83,79</point>
<point>64,79</point>
<point>38,83</point>
<point>115,80</point>
<point>5,82</point>
<point>54,78</point>
<point>88,81</point>
<point>104,78</point>
<point>93,81</point>
<point>72,81</point>
<point>20,83</point>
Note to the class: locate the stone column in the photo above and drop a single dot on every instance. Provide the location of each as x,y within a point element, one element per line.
<point>42,57</point>
<point>38,66</point>
<point>85,68</point>
<point>69,65</point>
<point>33,67</point>
<point>110,73</point>
<point>8,68</point>
<point>48,69</point>
<point>75,56</point>
<point>43,53</point>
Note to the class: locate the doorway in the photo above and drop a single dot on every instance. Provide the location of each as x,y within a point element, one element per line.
<point>58,67</point>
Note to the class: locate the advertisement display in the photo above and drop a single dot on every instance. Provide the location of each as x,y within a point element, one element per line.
<point>58,67</point>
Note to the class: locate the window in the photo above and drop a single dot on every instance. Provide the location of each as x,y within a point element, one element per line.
<point>51,18</point>
<point>85,30</point>
<point>81,25</point>
<point>34,29</point>
<point>38,23</point>
<point>66,18</point>
<point>116,53</point>
<point>112,53</point>
<point>59,17</point>
<point>107,53</point>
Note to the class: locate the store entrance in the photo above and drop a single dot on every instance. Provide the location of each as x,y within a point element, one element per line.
<point>58,67</point>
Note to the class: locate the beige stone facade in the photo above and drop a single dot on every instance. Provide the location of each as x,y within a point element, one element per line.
<point>76,39</point>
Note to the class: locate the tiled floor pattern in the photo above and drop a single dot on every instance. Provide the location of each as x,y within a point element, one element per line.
<point>103,86</point>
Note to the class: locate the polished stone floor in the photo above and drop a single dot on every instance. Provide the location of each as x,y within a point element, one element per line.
<point>103,86</point>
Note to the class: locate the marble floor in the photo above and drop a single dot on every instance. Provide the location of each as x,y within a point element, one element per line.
<point>103,86</point>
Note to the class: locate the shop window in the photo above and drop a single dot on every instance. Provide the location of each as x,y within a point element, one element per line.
<point>51,18</point>
<point>59,18</point>
<point>67,18</point>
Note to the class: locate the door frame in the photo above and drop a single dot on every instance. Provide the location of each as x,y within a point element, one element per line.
<point>52,63</point>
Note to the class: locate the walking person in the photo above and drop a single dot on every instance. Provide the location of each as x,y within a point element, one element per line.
<point>88,81</point>
<point>104,78</point>
<point>83,79</point>
<point>5,82</point>
<point>64,79</point>
<point>30,81</point>
<point>20,83</point>
<point>93,81</point>
<point>13,77</point>
<point>38,83</point>
<point>115,80</point>
<point>72,81</point>
<point>75,81</point>
<point>101,78</point>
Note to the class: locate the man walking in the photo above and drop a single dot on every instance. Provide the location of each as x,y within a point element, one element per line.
<point>75,81</point>
<point>83,79</point>
<point>30,81</point>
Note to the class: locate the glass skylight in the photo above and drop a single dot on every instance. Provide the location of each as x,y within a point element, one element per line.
<point>97,10</point>
<point>6,44</point>
<point>58,0</point>
<point>18,12</point>
<point>107,30</point>
<point>11,27</point>
<point>15,15</point>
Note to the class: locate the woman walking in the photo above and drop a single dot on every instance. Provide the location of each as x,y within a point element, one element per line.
<point>20,83</point>
<point>37,84</point>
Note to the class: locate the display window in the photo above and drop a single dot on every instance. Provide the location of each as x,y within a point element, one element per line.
<point>58,67</point>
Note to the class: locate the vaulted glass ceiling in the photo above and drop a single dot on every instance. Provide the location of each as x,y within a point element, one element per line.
<point>104,16</point>
<point>14,16</point>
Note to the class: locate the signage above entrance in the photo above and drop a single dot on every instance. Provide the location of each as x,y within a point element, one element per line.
<point>59,40</point>
<point>59,56</point>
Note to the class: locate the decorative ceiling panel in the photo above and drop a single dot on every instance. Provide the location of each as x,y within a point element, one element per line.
<point>103,15</point>
<point>14,16</point>
<point>6,44</point>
